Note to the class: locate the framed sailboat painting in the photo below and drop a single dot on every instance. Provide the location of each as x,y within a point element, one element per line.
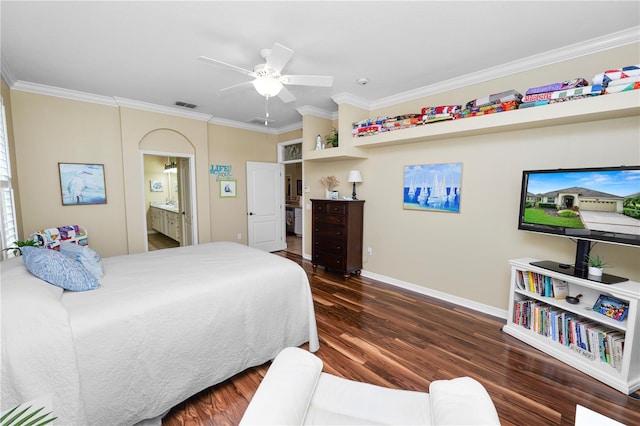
<point>433,187</point>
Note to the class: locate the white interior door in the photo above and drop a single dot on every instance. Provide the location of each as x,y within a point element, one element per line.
<point>265,206</point>
<point>186,205</point>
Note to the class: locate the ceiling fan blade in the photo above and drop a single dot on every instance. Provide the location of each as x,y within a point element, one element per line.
<point>286,96</point>
<point>236,86</point>
<point>279,57</point>
<point>226,65</point>
<point>307,80</point>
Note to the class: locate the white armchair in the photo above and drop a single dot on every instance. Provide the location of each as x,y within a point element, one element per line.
<point>295,391</point>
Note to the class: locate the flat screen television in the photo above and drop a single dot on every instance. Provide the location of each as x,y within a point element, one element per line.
<point>586,204</point>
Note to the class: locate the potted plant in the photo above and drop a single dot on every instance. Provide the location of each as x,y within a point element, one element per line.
<point>596,264</point>
<point>17,245</point>
<point>332,138</point>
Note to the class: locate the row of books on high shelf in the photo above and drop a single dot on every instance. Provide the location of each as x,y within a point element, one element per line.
<point>588,338</point>
<point>607,82</point>
<point>541,284</point>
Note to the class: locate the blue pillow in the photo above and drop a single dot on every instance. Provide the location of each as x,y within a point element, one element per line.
<point>57,269</point>
<point>85,255</point>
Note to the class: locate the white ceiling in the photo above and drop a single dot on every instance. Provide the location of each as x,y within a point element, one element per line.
<point>147,51</point>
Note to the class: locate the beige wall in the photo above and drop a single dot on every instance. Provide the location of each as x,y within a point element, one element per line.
<point>48,130</point>
<point>466,254</point>
<point>234,147</point>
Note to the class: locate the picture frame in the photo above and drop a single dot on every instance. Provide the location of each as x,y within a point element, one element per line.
<point>433,187</point>
<point>228,188</point>
<point>82,184</point>
<point>156,185</point>
<point>298,187</point>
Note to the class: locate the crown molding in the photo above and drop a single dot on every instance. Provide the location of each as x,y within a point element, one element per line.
<point>348,98</point>
<point>291,127</point>
<point>588,47</point>
<point>316,112</point>
<point>244,126</point>
<point>42,89</point>
<point>145,106</point>
<point>115,101</point>
<point>255,127</point>
<point>7,74</point>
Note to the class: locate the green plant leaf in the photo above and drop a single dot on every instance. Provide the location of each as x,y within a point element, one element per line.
<point>22,417</point>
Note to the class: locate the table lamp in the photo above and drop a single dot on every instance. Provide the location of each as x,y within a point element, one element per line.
<point>354,176</point>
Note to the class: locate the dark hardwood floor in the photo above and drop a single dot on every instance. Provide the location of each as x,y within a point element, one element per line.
<point>376,333</point>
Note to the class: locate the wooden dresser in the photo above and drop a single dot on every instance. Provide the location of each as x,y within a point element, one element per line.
<point>336,230</point>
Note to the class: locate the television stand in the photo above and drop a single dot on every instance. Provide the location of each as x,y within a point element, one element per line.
<point>570,270</point>
<point>606,349</point>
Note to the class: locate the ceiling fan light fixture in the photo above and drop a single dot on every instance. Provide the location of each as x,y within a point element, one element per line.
<point>267,86</point>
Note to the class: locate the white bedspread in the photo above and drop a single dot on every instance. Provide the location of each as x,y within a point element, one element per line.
<point>166,324</point>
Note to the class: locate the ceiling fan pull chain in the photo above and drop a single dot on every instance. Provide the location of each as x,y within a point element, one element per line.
<point>266,110</point>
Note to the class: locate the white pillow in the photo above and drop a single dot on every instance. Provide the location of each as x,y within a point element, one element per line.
<point>85,256</point>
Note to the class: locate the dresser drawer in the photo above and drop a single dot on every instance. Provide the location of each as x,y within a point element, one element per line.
<point>329,260</point>
<point>329,218</point>
<point>330,208</point>
<point>327,231</point>
<point>336,246</point>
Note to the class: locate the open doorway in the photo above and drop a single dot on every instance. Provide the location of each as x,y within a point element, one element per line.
<point>168,204</point>
<point>290,154</point>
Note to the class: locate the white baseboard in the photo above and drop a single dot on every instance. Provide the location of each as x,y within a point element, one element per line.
<point>480,307</point>
<point>485,309</point>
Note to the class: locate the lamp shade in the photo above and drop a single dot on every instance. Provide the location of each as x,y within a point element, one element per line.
<point>354,176</point>
<point>267,86</point>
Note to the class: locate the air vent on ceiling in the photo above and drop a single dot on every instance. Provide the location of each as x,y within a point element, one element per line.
<point>186,104</point>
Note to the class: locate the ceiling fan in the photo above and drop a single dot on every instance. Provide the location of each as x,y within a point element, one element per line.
<point>268,80</point>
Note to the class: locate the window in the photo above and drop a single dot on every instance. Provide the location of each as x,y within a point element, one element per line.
<point>9,229</point>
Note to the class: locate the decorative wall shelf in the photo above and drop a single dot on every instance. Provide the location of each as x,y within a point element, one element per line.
<point>603,107</point>
<point>333,154</point>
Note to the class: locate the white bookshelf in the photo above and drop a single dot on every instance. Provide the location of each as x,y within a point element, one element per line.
<point>625,378</point>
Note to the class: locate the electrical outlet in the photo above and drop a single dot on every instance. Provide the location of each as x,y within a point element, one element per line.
<point>239,236</point>
<point>369,251</point>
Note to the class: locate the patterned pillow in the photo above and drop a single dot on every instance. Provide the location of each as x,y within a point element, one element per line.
<point>57,269</point>
<point>85,255</point>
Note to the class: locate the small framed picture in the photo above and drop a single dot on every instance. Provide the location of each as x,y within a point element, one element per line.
<point>156,185</point>
<point>82,184</point>
<point>228,188</point>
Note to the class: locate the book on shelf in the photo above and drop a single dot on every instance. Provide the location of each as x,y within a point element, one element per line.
<point>542,285</point>
<point>560,288</point>
<point>588,338</point>
<point>520,280</point>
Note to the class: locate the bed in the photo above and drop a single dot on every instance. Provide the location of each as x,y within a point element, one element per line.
<point>161,327</point>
